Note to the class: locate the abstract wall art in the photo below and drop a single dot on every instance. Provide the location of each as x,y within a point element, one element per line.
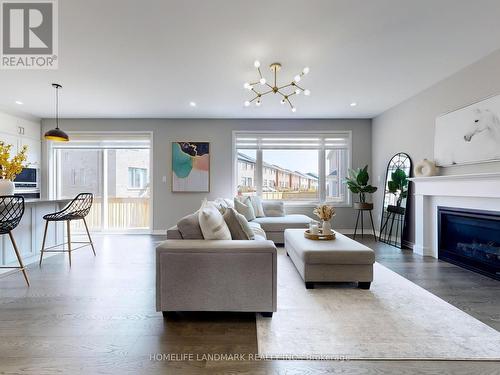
<point>469,135</point>
<point>191,167</point>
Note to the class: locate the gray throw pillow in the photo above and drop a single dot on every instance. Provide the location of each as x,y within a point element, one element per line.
<point>238,225</point>
<point>189,226</point>
<point>274,209</point>
<point>245,208</point>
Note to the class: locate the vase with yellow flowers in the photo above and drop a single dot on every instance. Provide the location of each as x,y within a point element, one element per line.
<point>325,212</point>
<point>10,167</point>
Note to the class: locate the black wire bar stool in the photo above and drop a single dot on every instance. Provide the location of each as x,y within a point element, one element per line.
<point>77,209</point>
<point>11,213</point>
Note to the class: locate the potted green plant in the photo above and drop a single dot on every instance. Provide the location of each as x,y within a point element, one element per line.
<point>357,183</point>
<point>398,185</point>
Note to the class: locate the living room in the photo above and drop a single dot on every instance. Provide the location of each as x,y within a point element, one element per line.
<point>317,194</point>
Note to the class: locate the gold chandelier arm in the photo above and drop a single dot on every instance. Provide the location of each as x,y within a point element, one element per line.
<point>282,87</point>
<point>266,92</point>
<point>260,73</point>
<point>254,98</point>
<point>255,91</point>
<point>289,102</point>
<point>298,87</point>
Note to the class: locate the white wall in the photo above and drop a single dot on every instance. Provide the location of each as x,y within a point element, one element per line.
<point>409,127</point>
<point>168,206</point>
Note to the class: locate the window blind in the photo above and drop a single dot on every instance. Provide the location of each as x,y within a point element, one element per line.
<point>105,141</point>
<point>292,141</point>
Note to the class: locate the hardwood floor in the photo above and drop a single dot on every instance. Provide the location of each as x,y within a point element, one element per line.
<point>99,317</point>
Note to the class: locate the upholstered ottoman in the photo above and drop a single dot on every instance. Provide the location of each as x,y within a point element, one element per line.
<point>339,260</point>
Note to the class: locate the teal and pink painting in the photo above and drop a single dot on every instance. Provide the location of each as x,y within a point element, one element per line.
<point>191,167</point>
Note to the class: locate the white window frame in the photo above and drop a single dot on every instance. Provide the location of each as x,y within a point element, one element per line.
<point>321,164</point>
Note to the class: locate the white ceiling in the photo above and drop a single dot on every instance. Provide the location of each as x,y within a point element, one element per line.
<point>130,58</point>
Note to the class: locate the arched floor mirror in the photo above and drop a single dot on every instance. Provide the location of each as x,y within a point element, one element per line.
<point>395,204</point>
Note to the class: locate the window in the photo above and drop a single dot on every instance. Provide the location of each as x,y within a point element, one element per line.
<point>246,172</point>
<point>137,178</point>
<point>294,166</point>
<point>115,168</point>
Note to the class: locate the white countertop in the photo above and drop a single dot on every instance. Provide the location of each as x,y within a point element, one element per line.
<point>41,200</point>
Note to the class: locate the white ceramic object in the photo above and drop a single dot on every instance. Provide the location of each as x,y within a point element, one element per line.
<point>6,187</point>
<point>327,227</point>
<point>425,168</point>
<point>314,229</point>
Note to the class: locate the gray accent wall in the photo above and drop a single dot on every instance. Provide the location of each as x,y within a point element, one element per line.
<point>168,206</point>
<point>409,127</point>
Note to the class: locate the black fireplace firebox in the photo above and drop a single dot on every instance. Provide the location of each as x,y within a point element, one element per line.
<point>470,239</point>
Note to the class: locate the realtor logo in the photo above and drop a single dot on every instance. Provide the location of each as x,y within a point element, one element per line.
<point>29,34</point>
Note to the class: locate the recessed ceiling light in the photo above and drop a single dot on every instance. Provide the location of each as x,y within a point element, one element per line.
<point>192,104</point>
<point>353,104</point>
<point>19,102</point>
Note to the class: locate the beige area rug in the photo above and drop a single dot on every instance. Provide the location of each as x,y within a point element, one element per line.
<point>395,319</point>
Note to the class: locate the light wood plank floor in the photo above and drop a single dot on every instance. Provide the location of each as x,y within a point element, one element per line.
<point>99,318</point>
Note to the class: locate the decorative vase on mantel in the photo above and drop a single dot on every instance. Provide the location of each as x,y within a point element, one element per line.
<point>6,187</point>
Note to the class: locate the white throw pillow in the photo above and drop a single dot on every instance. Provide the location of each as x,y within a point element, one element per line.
<point>257,206</point>
<point>212,223</point>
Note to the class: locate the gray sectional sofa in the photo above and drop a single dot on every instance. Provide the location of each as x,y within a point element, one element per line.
<point>223,275</point>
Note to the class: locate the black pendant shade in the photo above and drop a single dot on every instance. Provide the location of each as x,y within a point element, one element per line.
<point>56,135</point>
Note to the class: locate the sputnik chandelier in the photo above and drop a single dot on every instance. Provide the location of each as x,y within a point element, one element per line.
<point>262,87</point>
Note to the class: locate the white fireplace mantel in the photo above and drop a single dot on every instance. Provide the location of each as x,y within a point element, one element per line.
<point>471,191</point>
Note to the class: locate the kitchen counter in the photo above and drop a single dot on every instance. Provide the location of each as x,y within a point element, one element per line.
<point>29,232</point>
<point>42,200</point>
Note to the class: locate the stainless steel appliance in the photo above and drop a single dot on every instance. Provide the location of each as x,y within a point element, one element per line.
<point>27,183</point>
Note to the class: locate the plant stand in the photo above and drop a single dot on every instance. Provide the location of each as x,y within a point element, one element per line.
<point>361,208</point>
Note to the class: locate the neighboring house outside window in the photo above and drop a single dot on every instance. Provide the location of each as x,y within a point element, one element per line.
<point>288,166</point>
<point>137,178</point>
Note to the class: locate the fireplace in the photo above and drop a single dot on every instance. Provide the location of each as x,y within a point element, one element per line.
<point>470,239</point>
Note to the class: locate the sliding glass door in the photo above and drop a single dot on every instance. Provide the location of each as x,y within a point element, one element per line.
<point>116,171</point>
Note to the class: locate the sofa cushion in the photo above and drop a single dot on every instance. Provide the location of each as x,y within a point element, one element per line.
<point>238,225</point>
<point>257,206</point>
<point>223,204</point>
<point>189,227</point>
<point>279,224</point>
<point>173,233</point>
<point>273,209</point>
<point>245,208</point>
<point>212,223</point>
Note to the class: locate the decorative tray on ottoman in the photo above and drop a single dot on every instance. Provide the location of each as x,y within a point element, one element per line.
<point>320,236</point>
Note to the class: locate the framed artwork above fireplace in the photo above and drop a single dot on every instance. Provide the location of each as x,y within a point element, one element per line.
<point>469,135</point>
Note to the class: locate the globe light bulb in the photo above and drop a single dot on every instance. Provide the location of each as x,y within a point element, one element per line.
<point>247,103</point>
<point>297,78</point>
<point>294,109</point>
<point>258,103</point>
<point>305,70</point>
<point>256,63</point>
<point>353,104</point>
<point>297,92</point>
<point>307,92</point>
<point>262,81</point>
<point>247,86</point>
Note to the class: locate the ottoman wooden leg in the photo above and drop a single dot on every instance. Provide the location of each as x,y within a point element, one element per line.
<point>364,285</point>
<point>309,285</point>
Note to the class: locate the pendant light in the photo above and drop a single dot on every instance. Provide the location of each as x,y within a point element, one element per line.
<point>56,134</point>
